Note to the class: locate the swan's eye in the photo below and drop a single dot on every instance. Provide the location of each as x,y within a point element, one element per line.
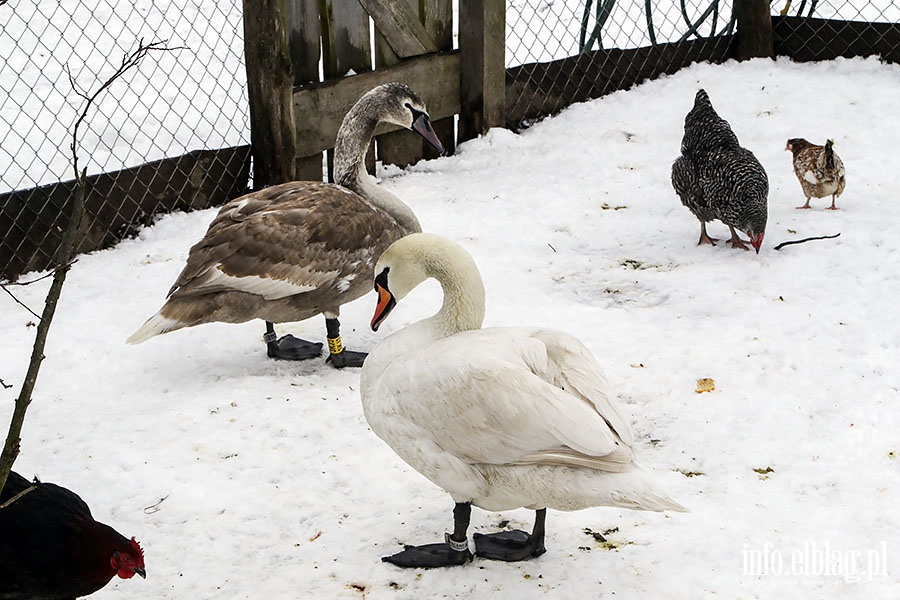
<point>382,278</point>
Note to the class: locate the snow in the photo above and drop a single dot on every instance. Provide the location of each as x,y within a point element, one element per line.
<point>273,486</point>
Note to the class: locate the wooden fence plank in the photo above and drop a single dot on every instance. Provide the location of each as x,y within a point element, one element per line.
<point>434,76</point>
<point>438,17</point>
<point>401,148</point>
<point>345,38</point>
<point>401,26</point>
<point>270,79</point>
<point>346,48</point>
<point>482,77</point>
<point>304,41</point>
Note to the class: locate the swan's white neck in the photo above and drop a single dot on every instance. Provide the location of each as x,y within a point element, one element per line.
<point>353,139</point>
<point>463,307</point>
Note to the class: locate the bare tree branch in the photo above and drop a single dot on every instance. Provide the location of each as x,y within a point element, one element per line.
<point>63,259</point>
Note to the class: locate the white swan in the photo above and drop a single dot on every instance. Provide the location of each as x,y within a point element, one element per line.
<point>298,249</point>
<point>500,418</point>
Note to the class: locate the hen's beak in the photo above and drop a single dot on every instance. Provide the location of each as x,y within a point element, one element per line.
<point>386,303</point>
<point>756,241</point>
<point>422,125</point>
<point>141,572</point>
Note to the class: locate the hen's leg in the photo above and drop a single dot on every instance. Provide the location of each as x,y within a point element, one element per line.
<point>513,545</point>
<point>805,205</point>
<point>833,207</point>
<point>736,241</point>
<point>454,551</point>
<point>704,237</point>
<point>289,347</point>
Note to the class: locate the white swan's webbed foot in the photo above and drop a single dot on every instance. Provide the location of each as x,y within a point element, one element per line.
<point>429,556</point>
<point>510,546</point>
<point>515,545</point>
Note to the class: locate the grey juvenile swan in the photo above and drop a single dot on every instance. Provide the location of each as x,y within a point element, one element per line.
<point>294,250</point>
<point>500,418</point>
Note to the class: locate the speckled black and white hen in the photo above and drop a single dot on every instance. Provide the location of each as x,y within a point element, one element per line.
<point>718,179</point>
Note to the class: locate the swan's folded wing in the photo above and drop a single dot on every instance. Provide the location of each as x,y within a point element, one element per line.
<point>486,397</point>
<point>281,245</point>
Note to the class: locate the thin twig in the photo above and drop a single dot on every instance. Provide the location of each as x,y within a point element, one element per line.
<point>30,488</point>
<point>41,278</point>
<point>63,260</point>
<point>19,302</point>
<point>149,510</point>
<point>128,61</point>
<point>809,239</point>
<point>4,286</point>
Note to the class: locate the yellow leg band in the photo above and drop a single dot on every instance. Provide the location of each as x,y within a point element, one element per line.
<point>334,345</point>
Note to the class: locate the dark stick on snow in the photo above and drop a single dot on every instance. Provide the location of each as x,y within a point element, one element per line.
<point>821,237</point>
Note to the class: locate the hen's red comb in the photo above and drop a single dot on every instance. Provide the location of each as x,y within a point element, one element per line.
<point>138,550</point>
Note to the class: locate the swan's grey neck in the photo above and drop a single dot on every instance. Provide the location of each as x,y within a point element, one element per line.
<point>353,139</point>
<point>463,307</point>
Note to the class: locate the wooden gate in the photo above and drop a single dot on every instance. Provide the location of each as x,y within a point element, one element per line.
<point>413,44</point>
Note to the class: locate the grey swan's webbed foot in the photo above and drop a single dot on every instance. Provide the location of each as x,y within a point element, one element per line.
<point>338,357</point>
<point>453,552</point>
<point>289,347</point>
<point>429,556</point>
<point>512,546</point>
<point>346,358</point>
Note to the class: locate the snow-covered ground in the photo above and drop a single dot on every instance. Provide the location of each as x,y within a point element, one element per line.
<point>273,486</point>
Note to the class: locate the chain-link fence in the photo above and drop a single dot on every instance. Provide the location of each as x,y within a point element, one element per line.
<point>190,98</point>
<point>174,132</point>
<point>563,51</point>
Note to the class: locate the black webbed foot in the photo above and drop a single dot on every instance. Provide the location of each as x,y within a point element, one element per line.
<point>428,557</point>
<point>289,347</point>
<point>346,358</point>
<point>510,546</point>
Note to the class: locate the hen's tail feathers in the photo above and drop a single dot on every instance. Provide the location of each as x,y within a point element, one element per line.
<point>155,325</point>
<point>829,154</point>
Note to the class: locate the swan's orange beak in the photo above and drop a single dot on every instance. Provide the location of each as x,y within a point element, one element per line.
<point>386,303</point>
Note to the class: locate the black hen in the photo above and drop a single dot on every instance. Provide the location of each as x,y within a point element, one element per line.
<point>718,179</point>
<point>52,549</point>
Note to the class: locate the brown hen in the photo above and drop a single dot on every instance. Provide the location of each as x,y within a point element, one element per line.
<point>819,170</point>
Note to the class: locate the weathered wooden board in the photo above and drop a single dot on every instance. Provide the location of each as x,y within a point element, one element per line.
<point>434,76</point>
<point>401,148</point>
<point>346,48</point>
<point>270,80</point>
<point>116,204</point>
<point>438,16</point>
<point>482,89</point>
<point>399,23</point>
<point>304,37</point>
